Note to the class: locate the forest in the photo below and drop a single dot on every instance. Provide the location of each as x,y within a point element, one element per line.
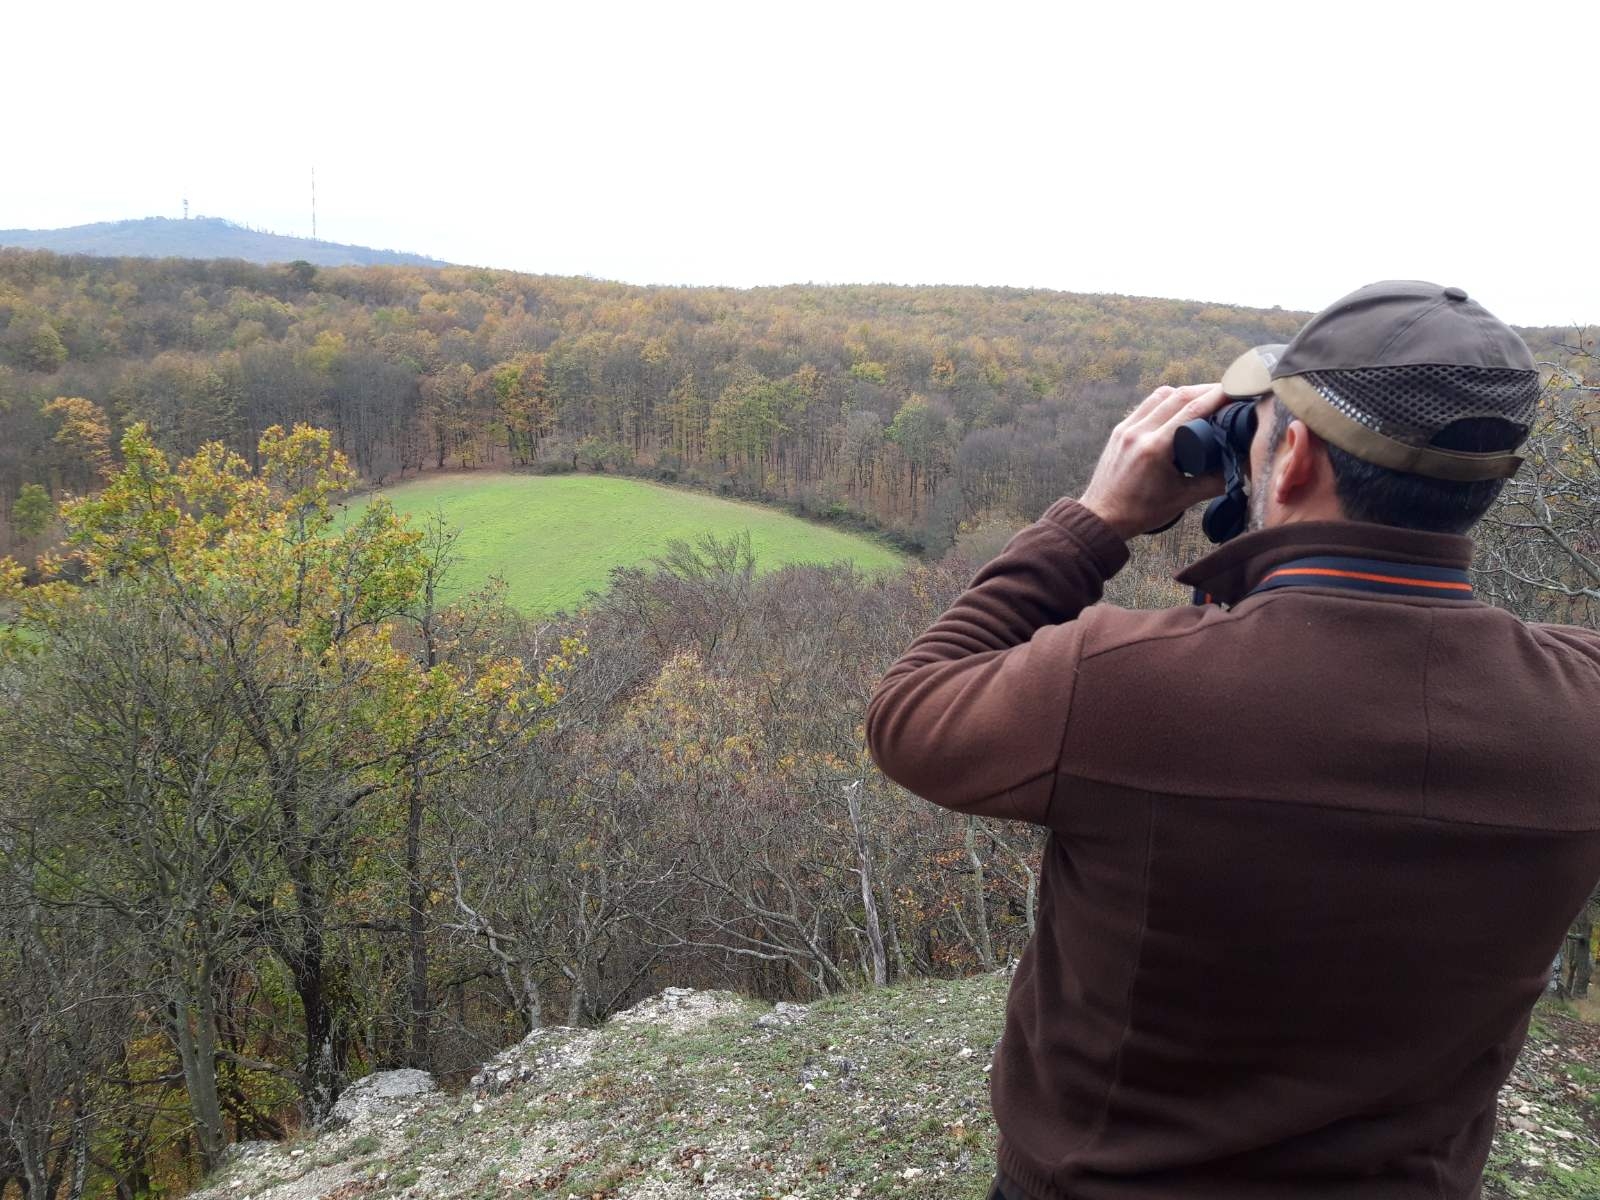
<point>274,815</point>
<point>910,408</point>
<point>914,409</point>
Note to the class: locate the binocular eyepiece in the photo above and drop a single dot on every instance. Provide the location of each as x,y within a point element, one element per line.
<point>1219,443</point>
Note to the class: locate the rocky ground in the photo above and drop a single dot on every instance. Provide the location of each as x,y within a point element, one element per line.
<point>1548,1145</point>
<point>705,1094</point>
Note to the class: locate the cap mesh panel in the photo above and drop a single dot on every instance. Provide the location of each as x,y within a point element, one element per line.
<point>1411,404</point>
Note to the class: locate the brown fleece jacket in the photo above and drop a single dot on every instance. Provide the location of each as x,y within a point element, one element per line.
<point>1309,859</point>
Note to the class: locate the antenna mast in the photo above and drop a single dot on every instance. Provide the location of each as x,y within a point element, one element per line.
<point>313,204</point>
<point>186,208</point>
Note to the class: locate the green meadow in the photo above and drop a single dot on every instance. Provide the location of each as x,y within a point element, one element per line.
<point>554,537</point>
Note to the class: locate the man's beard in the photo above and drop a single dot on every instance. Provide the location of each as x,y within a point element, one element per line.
<point>1259,488</point>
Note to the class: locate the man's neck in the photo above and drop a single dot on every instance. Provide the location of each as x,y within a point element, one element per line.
<point>1320,508</point>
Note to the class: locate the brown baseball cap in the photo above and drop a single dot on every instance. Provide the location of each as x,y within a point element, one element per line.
<point>1383,371</point>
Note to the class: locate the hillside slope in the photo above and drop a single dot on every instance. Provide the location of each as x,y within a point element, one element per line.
<point>708,1094</point>
<point>202,237</point>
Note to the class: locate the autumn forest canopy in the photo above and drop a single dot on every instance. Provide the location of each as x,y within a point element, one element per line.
<point>281,804</point>
<point>912,408</point>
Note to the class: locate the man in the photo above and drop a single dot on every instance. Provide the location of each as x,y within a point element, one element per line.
<point>1312,846</point>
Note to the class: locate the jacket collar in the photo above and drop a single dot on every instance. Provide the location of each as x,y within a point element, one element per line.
<point>1229,572</point>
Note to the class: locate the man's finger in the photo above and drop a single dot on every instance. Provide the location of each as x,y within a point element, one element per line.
<point>1200,393</point>
<point>1142,409</point>
<point>1205,404</point>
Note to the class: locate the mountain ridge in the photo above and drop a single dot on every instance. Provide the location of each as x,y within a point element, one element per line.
<point>203,237</point>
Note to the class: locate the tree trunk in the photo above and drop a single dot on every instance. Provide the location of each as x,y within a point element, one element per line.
<point>133,1174</point>
<point>1032,900</point>
<point>869,902</point>
<point>1580,958</point>
<point>35,1181</point>
<point>80,1152</point>
<point>532,1010</point>
<point>901,967</point>
<point>320,1075</point>
<point>577,1000</point>
<point>980,900</point>
<point>194,1030</point>
<point>1030,882</point>
<point>415,932</point>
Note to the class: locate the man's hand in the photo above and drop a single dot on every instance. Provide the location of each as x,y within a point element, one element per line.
<point>1135,487</point>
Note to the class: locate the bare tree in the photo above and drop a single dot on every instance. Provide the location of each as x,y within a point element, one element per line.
<point>65,1004</point>
<point>1540,545</point>
<point>132,805</point>
<point>867,875</point>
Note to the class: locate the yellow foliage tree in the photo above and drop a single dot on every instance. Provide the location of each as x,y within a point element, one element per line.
<point>291,618</point>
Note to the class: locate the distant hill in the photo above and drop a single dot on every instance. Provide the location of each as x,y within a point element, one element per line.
<point>202,237</point>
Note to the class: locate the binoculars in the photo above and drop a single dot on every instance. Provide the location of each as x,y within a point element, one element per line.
<point>1220,442</point>
<point>1199,447</point>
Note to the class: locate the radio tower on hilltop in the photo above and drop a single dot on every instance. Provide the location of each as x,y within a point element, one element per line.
<point>313,204</point>
<point>186,208</point>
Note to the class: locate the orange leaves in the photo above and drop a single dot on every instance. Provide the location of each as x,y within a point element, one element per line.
<point>258,559</point>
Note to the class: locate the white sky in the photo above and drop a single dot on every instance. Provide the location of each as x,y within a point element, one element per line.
<point>1256,153</point>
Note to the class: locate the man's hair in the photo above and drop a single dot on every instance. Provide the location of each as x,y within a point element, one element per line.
<point>1384,496</point>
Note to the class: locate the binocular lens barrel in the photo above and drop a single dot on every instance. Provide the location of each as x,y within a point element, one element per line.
<point>1212,446</point>
<point>1197,447</point>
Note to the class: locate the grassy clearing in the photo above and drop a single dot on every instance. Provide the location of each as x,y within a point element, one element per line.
<point>554,537</point>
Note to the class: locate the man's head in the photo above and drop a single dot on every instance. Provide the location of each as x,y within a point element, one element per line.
<point>1311,480</point>
<point>1400,405</point>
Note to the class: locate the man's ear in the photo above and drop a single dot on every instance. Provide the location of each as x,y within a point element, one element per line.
<point>1301,461</point>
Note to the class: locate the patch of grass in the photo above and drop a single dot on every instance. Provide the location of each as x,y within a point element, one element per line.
<point>359,1147</point>
<point>1559,1006</point>
<point>553,537</point>
<point>1507,1176</point>
<point>1580,1073</point>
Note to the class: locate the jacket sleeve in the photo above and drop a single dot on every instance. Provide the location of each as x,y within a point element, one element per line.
<point>973,715</point>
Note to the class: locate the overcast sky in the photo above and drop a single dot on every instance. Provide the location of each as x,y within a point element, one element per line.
<point>1255,153</point>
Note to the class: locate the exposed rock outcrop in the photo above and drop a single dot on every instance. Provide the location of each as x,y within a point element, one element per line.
<point>380,1092</point>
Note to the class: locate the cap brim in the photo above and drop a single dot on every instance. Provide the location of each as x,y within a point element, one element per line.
<point>1251,373</point>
